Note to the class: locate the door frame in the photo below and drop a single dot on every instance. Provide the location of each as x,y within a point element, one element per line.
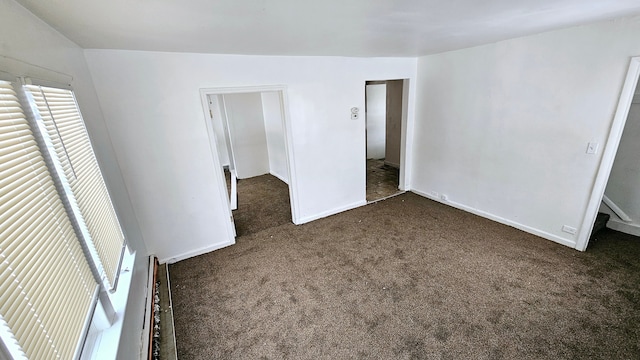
<point>609,153</point>
<point>286,127</point>
<point>406,139</point>
<point>219,109</point>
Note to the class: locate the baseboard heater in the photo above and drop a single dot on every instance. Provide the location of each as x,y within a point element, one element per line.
<point>159,336</point>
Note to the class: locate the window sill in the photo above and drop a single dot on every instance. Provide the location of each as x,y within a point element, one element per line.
<point>103,343</point>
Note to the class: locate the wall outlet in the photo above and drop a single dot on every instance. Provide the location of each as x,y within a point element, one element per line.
<point>434,194</point>
<point>592,148</point>
<point>568,229</point>
<point>444,197</point>
<point>355,113</point>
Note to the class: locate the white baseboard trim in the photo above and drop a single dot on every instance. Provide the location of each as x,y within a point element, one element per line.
<point>280,177</point>
<point>619,225</point>
<point>331,212</point>
<point>190,254</point>
<point>616,209</point>
<point>496,218</point>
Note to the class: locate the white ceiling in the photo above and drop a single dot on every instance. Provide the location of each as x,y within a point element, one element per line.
<point>320,27</point>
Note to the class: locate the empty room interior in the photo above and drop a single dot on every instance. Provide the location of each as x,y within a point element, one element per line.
<point>320,180</point>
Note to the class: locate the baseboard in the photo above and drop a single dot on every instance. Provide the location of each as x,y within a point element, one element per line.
<point>397,166</point>
<point>280,177</point>
<point>330,212</point>
<point>190,254</point>
<point>631,229</point>
<point>496,218</point>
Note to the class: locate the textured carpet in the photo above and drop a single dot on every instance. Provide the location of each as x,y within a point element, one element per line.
<point>408,278</point>
<point>263,202</point>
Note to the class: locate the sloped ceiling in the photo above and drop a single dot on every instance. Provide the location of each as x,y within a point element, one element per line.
<point>321,27</point>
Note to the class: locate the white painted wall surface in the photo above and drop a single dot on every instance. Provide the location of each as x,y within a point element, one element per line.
<point>217,119</point>
<point>247,133</point>
<point>376,120</point>
<point>25,37</point>
<point>273,124</point>
<point>623,187</point>
<point>152,105</point>
<point>502,129</point>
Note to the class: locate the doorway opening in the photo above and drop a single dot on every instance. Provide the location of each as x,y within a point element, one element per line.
<point>247,130</point>
<point>615,200</point>
<point>385,107</point>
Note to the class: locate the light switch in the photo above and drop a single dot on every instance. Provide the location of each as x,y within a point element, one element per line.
<point>592,148</point>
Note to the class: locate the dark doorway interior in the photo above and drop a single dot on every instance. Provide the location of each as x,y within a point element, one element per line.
<point>384,111</point>
<point>382,179</point>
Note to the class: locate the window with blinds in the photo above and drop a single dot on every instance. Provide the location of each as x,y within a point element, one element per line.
<point>47,289</point>
<point>59,112</point>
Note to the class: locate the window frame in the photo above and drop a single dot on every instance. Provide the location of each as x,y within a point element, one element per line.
<point>65,187</point>
<point>10,348</point>
<point>101,316</point>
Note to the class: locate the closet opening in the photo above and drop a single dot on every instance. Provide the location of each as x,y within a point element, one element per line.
<point>615,199</point>
<point>384,111</point>
<point>247,130</point>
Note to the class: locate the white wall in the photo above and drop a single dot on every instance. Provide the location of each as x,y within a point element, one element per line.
<point>247,134</point>
<point>623,187</point>
<point>502,129</point>
<point>272,128</point>
<point>152,106</point>
<point>273,118</point>
<point>26,38</point>
<point>376,120</point>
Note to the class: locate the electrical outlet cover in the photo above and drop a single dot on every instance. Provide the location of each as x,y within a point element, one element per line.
<point>568,229</point>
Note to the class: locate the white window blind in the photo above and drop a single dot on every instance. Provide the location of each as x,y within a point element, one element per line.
<point>47,289</point>
<point>59,112</point>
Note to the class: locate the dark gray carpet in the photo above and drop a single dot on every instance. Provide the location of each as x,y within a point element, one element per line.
<point>263,202</point>
<point>408,278</point>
